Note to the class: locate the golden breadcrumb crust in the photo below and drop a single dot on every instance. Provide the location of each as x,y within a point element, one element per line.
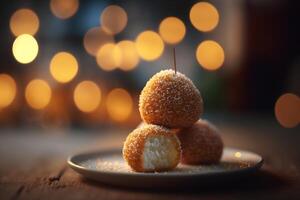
<point>134,145</point>
<point>200,144</point>
<point>170,100</point>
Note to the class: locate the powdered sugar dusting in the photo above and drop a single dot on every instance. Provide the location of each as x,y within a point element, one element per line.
<point>115,164</point>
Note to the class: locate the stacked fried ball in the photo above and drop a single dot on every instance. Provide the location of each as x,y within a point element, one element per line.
<point>170,106</point>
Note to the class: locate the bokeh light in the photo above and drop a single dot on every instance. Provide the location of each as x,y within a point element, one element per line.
<point>113,19</point>
<point>87,96</point>
<point>95,38</point>
<point>109,57</point>
<point>287,110</point>
<point>204,16</point>
<point>149,45</point>
<point>63,67</point>
<point>210,55</point>
<point>130,57</point>
<point>237,154</point>
<point>38,94</point>
<point>24,21</point>
<point>25,48</point>
<point>64,9</point>
<point>172,30</point>
<point>119,104</point>
<point>8,90</point>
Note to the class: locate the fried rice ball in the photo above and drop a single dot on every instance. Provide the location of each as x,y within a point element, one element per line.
<point>170,100</point>
<point>151,148</point>
<point>200,144</point>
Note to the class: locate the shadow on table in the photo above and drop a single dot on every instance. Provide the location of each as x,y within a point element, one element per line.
<point>261,181</point>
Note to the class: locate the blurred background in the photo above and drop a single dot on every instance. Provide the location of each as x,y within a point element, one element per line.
<point>82,64</point>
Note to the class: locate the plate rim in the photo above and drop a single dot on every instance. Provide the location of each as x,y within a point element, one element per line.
<point>79,168</point>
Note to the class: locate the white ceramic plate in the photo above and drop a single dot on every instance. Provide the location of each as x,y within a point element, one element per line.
<point>110,168</point>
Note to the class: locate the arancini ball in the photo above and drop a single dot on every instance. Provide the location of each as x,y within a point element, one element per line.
<point>151,148</point>
<point>170,99</point>
<point>200,144</point>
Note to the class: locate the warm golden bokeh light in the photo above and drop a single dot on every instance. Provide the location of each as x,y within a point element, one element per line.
<point>87,96</point>
<point>287,110</point>
<point>24,21</point>
<point>172,30</point>
<point>109,57</point>
<point>25,48</point>
<point>237,154</point>
<point>119,104</point>
<point>130,57</point>
<point>149,45</point>
<point>95,38</point>
<point>204,16</point>
<point>210,55</point>
<point>64,9</point>
<point>113,19</point>
<point>38,94</point>
<point>8,90</point>
<point>63,67</point>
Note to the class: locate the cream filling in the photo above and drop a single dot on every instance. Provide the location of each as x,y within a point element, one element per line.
<point>159,152</point>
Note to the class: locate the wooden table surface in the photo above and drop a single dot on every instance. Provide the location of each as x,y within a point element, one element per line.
<point>33,164</point>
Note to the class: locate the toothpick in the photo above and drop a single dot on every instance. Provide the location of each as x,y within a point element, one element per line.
<point>174,60</point>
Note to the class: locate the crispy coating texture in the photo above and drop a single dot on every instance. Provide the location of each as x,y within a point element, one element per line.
<point>170,100</point>
<point>143,124</point>
<point>133,147</point>
<point>200,144</point>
